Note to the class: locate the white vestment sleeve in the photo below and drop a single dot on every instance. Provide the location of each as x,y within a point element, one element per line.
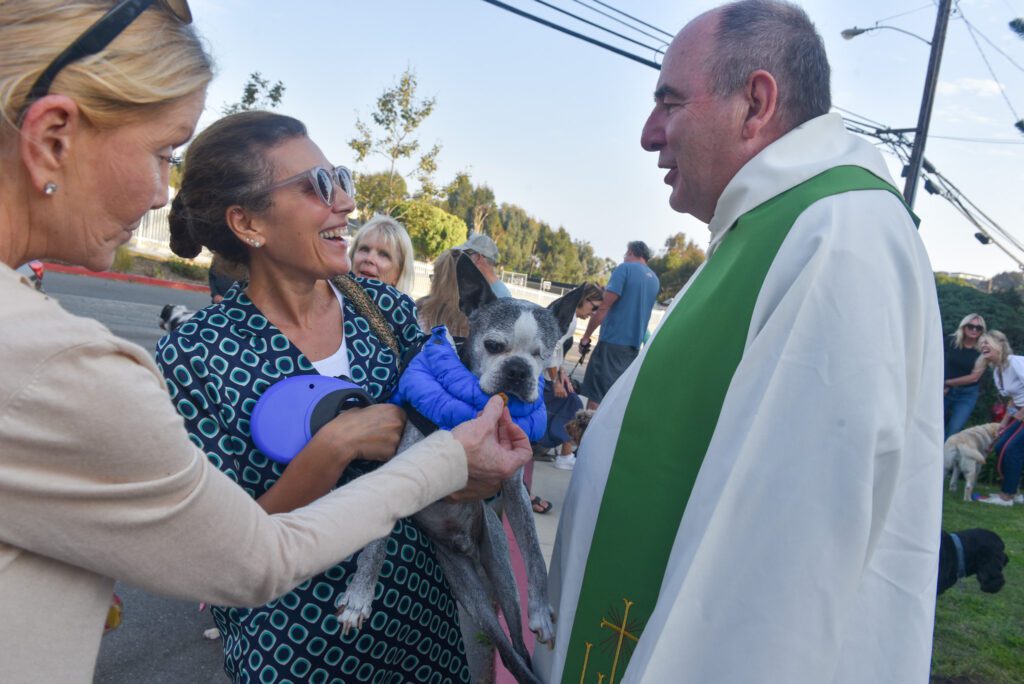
<point>808,550</point>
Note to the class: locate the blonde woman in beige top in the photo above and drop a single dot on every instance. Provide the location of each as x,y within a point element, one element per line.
<point>98,479</point>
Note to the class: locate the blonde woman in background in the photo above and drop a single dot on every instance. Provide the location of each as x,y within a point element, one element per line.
<point>98,479</point>
<point>1008,374</point>
<point>383,251</point>
<point>963,369</point>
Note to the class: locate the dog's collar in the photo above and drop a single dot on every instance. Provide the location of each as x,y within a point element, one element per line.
<point>961,563</point>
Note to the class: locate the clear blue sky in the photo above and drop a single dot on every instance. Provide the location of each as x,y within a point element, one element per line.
<point>553,124</point>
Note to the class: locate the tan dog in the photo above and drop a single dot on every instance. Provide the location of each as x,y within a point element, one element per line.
<point>965,453</point>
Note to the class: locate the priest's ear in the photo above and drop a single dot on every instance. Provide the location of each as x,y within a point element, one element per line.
<point>761,94</point>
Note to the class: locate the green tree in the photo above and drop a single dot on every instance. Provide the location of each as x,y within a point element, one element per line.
<point>431,228</point>
<point>558,257</point>
<point>518,240</point>
<point>474,204</point>
<point>1008,280</point>
<point>374,193</point>
<point>258,93</point>
<point>674,266</point>
<point>392,136</point>
<point>594,267</point>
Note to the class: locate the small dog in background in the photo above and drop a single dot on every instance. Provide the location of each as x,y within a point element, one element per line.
<point>578,425</point>
<point>984,555</point>
<point>964,453</point>
<point>173,316</point>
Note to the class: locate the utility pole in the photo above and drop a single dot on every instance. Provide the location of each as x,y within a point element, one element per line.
<point>927,99</point>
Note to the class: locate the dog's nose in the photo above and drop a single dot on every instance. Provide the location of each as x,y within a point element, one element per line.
<point>517,370</point>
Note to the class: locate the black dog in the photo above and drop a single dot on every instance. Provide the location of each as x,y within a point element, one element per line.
<point>983,554</point>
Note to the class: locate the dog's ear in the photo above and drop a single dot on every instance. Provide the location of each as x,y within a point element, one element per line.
<point>564,308</point>
<point>474,290</point>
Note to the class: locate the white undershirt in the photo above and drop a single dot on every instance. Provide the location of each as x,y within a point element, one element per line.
<point>336,364</point>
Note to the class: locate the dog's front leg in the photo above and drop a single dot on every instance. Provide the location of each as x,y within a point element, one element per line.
<point>496,562</point>
<point>355,604</point>
<point>469,590</point>
<point>519,510</point>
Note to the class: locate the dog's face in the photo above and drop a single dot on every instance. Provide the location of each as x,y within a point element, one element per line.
<point>990,558</point>
<point>510,340</point>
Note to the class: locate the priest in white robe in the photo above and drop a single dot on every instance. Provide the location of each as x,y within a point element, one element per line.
<point>758,498</point>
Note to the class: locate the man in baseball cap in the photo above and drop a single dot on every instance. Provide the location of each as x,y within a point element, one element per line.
<point>484,253</point>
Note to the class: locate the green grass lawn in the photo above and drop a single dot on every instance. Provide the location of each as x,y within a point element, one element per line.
<point>979,638</point>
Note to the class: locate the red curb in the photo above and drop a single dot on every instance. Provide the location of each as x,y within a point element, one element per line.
<point>126,277</point>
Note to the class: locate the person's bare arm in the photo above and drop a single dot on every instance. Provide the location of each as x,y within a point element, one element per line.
<point>606,305</point>
<point>370,433</point>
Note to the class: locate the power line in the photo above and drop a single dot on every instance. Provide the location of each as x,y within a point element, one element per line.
<point>903,14</point>
<point>992,73</point>
<point>598,26</point>
<point>574,34</point>
<point>987,40</point>
<point>990,141</point>
<point>619,21</point>
<point>643,23</point>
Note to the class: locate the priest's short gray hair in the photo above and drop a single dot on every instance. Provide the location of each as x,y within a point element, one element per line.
<point>779,38</point>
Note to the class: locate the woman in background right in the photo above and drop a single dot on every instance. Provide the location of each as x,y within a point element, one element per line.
<point>560,395</point>
<point>964,368</point>
<point>1008,373</point>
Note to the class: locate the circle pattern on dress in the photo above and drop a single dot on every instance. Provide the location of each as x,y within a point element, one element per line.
<point>216,367</point>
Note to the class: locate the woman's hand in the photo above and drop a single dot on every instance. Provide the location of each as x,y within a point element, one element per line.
<point>370,433</point>
<point>495,449</point>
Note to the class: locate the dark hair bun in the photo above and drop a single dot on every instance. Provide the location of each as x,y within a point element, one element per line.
<point>183,240</point>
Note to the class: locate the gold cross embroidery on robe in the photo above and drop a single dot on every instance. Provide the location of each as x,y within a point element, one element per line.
<point>621,631</point>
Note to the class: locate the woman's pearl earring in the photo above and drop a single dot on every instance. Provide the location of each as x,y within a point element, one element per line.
<point>50,189</point>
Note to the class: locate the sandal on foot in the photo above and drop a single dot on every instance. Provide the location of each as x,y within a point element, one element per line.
<point>540,505</point>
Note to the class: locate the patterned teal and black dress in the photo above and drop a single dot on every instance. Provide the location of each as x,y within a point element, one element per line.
<point>217,365</point>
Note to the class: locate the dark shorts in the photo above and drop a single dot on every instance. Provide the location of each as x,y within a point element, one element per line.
<point>607,362</point>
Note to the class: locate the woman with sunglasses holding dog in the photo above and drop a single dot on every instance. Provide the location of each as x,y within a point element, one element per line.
<point>964,368</point>
<point>257,190</point>
<point>98,478</point>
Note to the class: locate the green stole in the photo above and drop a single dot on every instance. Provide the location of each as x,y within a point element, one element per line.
<point>668,423</point>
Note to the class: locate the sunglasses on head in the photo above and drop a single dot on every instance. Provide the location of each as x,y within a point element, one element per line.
<point>975,327</point>
<point>99,36</point>
<point>323,182</point>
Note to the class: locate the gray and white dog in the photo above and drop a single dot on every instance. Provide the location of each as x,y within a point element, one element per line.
<point>509,343</point>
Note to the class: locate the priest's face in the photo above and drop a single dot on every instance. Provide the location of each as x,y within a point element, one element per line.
<point>696,133</point>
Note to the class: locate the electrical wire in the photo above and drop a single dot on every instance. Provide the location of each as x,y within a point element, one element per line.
<point>989,141</point>
<point>617,20</point>
<point>992,73</point>
<point>574,34</point>
<point>993,45</point>
<point>903,14</point>
<point>598,26</point>
<point>629,16</point>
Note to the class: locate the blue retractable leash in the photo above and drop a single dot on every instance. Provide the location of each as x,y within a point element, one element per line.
<point>291,411</point>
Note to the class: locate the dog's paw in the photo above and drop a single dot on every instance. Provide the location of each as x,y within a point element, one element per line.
<point>542,623</point>
<point>354,607</point>
<point>213,633</point>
